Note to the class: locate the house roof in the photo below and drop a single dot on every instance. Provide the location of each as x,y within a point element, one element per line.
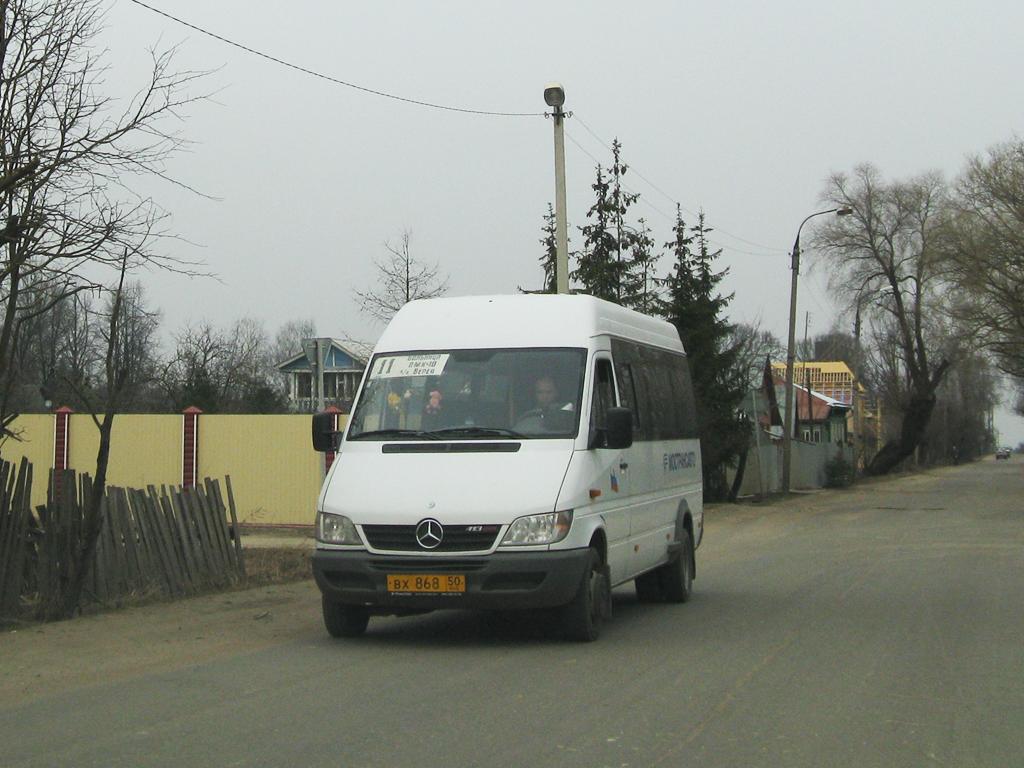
<point>821,406</point>
<point>341,356</point>
<point>823,366</point>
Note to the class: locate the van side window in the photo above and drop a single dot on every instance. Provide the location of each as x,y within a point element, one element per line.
<point>627,395</point>
<point>656,385</point>
<point>604,395</point>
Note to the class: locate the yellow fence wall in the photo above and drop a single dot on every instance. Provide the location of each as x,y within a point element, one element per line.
<point>36,444</point>
<point>275,473</point>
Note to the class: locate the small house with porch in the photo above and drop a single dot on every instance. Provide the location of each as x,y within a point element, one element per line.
<point>343,365</point>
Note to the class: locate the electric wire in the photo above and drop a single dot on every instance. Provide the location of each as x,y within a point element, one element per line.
<point>663,193</point>
<point>670,217</point>
<point>329,78</point>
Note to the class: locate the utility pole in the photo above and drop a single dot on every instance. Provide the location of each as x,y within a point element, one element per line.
<point>787,434</point>
<point>554,97</point>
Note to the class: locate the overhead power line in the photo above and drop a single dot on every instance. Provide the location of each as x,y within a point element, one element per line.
<point>669,217</point>
<point>329,78</point>
<point>673,200</point>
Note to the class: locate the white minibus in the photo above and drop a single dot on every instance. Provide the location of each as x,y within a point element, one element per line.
<point>512,452</point>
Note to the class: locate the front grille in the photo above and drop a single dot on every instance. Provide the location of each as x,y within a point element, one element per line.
<point>457,538</point>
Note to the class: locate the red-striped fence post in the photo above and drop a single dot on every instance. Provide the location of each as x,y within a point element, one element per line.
<point>61,446</point>
<point>61,437</point>
<point>190,447</point>
<point>329,455</point>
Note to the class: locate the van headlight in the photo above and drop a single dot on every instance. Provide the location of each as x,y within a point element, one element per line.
<point>335,529</point>
<point>538,529</point>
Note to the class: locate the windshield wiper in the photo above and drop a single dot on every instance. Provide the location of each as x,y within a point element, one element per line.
<point>413,433</point>
<point>476,432</point>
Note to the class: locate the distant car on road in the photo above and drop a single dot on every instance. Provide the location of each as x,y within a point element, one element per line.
<point>1003,453</point>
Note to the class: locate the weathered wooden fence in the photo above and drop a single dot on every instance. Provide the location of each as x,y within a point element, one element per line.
<point>15,519</point>
<point>174,541</point>
<point>177,541</point>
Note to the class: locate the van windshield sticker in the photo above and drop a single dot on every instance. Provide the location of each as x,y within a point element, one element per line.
<point>399,366</point>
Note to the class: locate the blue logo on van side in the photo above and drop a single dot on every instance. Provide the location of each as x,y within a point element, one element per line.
<point>673,462</point>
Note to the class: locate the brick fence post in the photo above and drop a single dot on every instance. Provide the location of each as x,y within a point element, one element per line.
<point>190,447</point>
<point>61,437</point>
<point>61,446</point>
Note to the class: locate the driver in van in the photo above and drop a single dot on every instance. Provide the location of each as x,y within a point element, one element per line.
<point>551,411</point>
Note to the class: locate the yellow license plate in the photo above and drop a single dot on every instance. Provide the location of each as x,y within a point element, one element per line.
<point>432,583</point>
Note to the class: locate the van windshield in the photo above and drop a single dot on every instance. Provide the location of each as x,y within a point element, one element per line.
<point>471,394</point>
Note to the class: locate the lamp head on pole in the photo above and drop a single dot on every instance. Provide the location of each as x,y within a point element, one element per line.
<point>554,95</point>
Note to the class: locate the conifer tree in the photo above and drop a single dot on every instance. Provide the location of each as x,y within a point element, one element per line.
<point>598,269</point>
<point>639,286</point>
<point>694,306</point>
<point>625,237</point>
<point>550,257</point>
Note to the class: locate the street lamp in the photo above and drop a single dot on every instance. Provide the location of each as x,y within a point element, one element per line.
<point>554,97</point>
<point>787,434</point>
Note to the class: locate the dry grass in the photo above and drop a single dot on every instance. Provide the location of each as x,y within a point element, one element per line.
<point>277,566</point>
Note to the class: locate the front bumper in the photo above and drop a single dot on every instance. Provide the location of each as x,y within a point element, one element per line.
<point>499,581</point>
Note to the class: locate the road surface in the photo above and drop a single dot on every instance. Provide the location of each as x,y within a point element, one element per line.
<point>878,626</point>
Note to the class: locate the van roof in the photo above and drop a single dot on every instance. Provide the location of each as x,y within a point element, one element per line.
<point>522,320</point>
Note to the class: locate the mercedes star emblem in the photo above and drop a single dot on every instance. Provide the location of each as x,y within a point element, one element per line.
<point>429,533</point>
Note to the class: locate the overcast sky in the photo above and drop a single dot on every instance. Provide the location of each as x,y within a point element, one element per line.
<point>739,108</point>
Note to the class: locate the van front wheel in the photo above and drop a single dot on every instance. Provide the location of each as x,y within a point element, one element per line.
<point>345,620</point>
<point>584,614</point>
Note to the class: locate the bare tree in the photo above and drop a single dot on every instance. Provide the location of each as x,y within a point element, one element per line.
<point>225,371</point>
<point>400,279</point>
<point>118,374</point>
<point>984,244</point>
<point>885,256</point>
<point>753,345</point>
<point>68,156</point>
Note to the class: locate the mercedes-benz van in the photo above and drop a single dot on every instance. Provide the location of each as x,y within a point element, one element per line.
<point>512,452</point>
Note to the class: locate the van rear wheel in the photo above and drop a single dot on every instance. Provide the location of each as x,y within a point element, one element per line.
<point>648,587</point>
<point>677,576</point>
<point>344,620</point>
<point>583,616</point>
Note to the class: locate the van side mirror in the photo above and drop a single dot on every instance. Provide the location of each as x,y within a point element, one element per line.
<point>325,438</point>
<point>619,430</point>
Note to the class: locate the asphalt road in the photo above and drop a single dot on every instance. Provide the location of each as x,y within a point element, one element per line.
<point>881,626</point>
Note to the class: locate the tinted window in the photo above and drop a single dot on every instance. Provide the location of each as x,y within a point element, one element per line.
<point>655,384</point>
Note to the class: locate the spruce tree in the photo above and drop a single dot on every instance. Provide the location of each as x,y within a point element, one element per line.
<point>625,237</point>
<point>604,266</point>
<point>639,286</point>
<point>694,306</point>
<point>550,257</point>
<point>597,267</point>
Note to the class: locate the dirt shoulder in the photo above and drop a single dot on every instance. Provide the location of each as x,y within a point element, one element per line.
<point>39,659</point>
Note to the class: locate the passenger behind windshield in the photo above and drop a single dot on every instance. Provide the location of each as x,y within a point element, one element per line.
<point>471,393</point>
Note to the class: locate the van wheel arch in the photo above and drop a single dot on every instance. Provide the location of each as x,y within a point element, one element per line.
<point>684,522</point>
<point>599,542</point>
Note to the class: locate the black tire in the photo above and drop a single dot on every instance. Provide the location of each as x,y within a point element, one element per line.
<point>583,616</point>
<point>345,620</point>
<point>648,587</point>
<point>677,576</point>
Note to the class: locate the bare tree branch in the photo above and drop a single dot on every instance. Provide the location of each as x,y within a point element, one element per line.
<point>400,279</point>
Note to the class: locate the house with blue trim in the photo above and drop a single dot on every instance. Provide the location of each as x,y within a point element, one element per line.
<point>343,365</point>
